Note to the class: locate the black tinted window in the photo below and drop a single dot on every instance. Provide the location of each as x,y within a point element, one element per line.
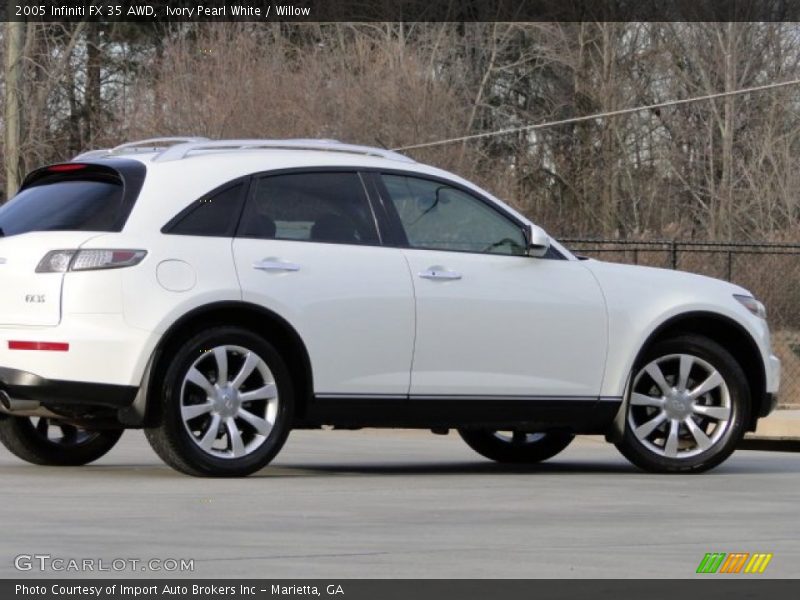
<point>213,215</point>
<point>316,207</point>
<point>64,205</point>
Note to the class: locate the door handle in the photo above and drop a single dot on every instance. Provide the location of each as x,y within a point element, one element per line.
<point>440,274</point>
<point>275,265</point>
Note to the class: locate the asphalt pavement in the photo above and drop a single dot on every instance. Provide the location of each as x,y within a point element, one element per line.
<point>380,504</point>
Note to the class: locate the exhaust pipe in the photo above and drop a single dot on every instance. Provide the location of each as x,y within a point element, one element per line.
<point>18,408</point>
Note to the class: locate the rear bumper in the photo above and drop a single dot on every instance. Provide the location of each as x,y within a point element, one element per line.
<point>21,385</point>
<point>102,349</point>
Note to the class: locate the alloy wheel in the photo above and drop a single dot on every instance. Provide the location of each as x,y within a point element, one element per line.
<point>229,402</point>
<point>680,406</point>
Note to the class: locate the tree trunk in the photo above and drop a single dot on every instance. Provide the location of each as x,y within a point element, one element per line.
<point>726,179</point>
<point>15,38</point>
<point>92,115</point>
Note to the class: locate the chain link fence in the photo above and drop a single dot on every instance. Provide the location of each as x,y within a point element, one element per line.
<point>770,271</point>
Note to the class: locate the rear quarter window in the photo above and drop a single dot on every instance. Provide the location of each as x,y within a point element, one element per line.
<point>216,214</point>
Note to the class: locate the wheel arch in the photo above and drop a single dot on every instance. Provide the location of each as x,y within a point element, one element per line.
<point>270,325</point>
<point>723,330</point>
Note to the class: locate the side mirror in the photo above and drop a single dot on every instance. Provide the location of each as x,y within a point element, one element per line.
<point>538,241</point>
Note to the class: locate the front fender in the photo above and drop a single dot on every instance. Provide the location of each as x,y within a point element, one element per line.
<point>642,302</point>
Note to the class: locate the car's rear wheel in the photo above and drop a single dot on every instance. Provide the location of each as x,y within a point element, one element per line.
<point>226,405</point>
<point>688,406</point>
<point>43,441</point>
<point>516,446</point>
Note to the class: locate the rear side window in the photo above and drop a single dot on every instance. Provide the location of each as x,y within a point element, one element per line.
<point>314,207</point>
<point>215,214</point>
<point>74,197</point>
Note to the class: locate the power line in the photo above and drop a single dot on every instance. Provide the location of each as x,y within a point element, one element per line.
<point>613,113</point>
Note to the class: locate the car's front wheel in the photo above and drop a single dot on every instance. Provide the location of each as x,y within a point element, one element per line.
<point>688,405</point>
<point>516,446</point>
<point>50,442</point>
<point>226,405</point>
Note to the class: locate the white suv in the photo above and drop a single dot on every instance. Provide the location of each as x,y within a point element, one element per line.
<point>220,293</point>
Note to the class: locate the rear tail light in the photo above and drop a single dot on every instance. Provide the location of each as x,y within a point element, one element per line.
<point>61,261</point>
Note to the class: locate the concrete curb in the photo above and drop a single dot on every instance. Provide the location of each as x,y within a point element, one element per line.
<point>781,423</point>
<point>779,432</point>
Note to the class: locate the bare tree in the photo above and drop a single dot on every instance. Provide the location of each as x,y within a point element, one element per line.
<point>720,169</point>
<point>15,40</point>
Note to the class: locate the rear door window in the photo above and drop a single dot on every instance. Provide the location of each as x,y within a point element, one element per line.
<point>314,207</point>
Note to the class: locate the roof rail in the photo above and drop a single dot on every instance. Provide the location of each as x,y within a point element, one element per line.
<point>153,144</point>
<point>181,151</point>
<point>148,145</point>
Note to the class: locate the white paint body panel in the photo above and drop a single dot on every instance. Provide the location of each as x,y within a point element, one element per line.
<point>28,298</point>
<point>353,306</point>
<point>103,349</point>
<point>641,299</point>
<point>512,325</point>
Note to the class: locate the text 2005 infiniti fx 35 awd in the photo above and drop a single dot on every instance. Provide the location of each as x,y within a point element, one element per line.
<point>219,294</point>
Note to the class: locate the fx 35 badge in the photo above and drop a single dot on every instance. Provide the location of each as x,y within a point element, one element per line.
<point>35,298</point>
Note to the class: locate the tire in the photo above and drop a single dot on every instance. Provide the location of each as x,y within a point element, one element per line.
<point>516,447</point>
<point>248,416</point>
<point>48,442</point>
<point>691,417</point>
